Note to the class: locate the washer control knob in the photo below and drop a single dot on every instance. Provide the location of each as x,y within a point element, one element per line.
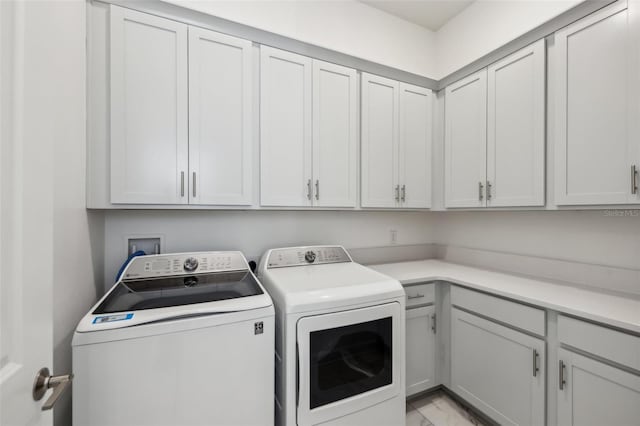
<point>310,256</point>
<point>190,264</point>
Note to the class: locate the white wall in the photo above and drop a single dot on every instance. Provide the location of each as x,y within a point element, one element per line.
<point>488,24</point>
<point>597,236</point>
<point>346,26</point>
<point>53,118</point>
<point>253,232</point>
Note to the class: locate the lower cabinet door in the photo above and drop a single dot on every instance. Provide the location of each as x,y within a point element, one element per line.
<point>593,393</point>
<point>420,349</point>
<point>498,370</point>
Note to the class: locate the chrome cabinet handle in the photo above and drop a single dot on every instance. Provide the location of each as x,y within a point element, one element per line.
<point>535,363</point>
<point>489,190</point>
<point>317,189</point>
<point>634,179</point>
<point>309,189</point>
<point>417,296</point>
<point>480,188</point>
<point>182,184</point>
<point>404,193</point>
<point>561,379</point>
<point>44,381</point>
<point>194,184</point>
<point>397,193</point>
<point>433,323</point>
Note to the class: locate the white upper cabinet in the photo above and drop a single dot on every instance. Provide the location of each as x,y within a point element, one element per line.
<point>285,128</point>
<point>516,129</point>
<point>396,143</point>
<point>596,142</point>
<point>466,141</point>
<point>149,107</point>
<point>416,106</point>
<point>379,165</point>
<point>220,119</point>
<point>335,143</point>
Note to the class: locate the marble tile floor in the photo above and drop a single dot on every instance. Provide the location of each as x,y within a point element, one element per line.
<point>438,409</point>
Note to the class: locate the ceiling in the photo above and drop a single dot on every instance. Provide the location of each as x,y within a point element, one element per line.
<point>431,14</point>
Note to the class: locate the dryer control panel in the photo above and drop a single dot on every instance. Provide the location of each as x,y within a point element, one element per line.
<point>303,256</point>
<point>185,264</point>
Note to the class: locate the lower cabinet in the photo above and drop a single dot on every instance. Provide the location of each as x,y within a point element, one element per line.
<point>420,349</point>
<point>497,369</point>
<point>593,393</point>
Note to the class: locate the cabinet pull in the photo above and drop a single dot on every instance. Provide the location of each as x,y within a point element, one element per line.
<point>433,323</point>
<point>397,193</point>
<point>535,363</point>
<point>634,179</point>
<point>417,296</point>
<point>182,184</point>
<point>309,189</point>
<point>561,380</point>
<point>194,184</point>
<point>317,189</point>
<point>404,193</point>
<point>480,188</point>
<point>489,190</point>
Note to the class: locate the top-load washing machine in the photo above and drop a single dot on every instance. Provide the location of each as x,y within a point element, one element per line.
<point>180,339</point>
<point>340,330</point>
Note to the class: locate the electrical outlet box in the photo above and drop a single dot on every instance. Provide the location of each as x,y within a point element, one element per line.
<point>148,244</point>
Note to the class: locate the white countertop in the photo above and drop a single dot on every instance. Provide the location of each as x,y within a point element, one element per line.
<point>612,309</point>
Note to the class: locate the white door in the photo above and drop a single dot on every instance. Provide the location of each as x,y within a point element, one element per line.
<point>285,128</point>
<point>220,119</point>
<point>593,393</point>
<point>466,141</point>
<point>416,105</point>
<point>349,361</point>
<point>593,121</point>
<point>149,107</point>
<point>334,135</point>
<point>420,349</point>
<point>497,369</point>
<point>380,187</point>
<point>26,206</point>
<point>516,129</point>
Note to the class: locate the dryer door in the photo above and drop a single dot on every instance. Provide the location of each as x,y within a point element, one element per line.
<point>349,361</point>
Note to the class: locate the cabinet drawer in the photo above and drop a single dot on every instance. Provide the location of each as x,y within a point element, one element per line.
<point>420,294</point>
<point>511,313</point>
<point>611,344</point>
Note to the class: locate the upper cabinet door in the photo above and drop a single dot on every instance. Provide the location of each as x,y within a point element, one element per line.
<point>334,135</point>
<point>593,121</point>
<point>148,109</point>
<point>379,163</point>
<point>466,141</point>
<point>285,128</point>
<point>516,129</point>
<point>220,119</point>
<point>416,105</point>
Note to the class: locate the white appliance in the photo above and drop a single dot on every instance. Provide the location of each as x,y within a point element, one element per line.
<point>181,339</point>
<point>339,339</point>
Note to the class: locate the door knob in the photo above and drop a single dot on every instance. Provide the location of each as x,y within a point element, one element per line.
<point>43,381</point>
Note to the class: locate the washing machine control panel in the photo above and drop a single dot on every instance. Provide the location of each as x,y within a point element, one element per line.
<point>302,256</point>
<point>185,263</point>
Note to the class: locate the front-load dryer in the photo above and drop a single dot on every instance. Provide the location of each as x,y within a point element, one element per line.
<point>340,330</point>
<point>180,339</point>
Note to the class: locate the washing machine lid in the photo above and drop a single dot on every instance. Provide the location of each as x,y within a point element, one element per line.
<point>154,293</point>
<point>166,287</point>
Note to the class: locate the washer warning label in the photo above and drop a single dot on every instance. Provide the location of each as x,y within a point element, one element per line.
<point>111,318</point>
